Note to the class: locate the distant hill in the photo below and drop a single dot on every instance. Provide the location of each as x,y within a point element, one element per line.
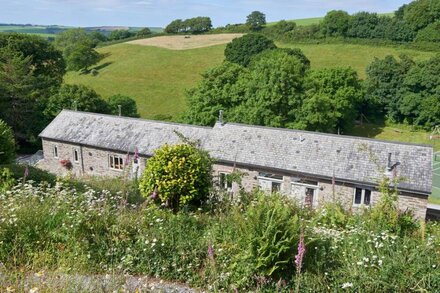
<point>50,31</point>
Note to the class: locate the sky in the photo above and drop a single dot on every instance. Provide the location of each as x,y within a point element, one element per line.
<point>160,12</point>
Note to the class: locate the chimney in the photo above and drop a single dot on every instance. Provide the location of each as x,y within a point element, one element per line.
<point>220,117</point>
<point>120,110</point>
<point>389,166</point>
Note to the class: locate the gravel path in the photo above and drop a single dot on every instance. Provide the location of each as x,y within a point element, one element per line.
<point>52,282</point>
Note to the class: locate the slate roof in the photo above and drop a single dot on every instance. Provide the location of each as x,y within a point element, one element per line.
<point>351,159</point>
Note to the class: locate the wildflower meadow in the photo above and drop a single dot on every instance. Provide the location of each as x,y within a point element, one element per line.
<point>256,242</point>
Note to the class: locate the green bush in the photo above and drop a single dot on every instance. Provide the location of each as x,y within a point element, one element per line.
<point>177,175</point>
<point>6,180</point>
<point>34,174</point>
<point>7,144</point>
<point>270,231</point>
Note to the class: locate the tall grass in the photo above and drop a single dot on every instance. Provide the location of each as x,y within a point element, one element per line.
<point>248,244</point>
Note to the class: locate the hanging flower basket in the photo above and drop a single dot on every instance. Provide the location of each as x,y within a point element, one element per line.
<point>66,164</point>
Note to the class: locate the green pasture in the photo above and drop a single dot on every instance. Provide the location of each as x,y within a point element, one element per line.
<point>157,78</point>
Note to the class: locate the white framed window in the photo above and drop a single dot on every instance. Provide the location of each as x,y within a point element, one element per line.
<point>362,196</point>
<point>75,156</point>
<point>305,191</point>
<point>116,162</point>
<point>270,182</point>
<point>55,152</point>
<point>225,180</point>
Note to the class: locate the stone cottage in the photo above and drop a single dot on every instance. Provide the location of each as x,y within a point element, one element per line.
<point>311,167</point>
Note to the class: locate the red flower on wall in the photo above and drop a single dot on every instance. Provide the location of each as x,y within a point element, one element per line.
<point>66,164</point>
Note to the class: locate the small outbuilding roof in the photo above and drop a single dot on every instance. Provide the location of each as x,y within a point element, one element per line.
<point>350,159</point>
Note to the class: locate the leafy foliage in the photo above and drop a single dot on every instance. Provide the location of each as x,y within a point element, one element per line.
<point>384,81</point>
<point>6,180</point>
<point>251,243</point>
<point>194,25</point>
<point>241,50</point>
<point>78,48</point>
<point>144,32</point>
<point>331,100</point>
<point>336,23</point>
<point>256,20</point>
<point>431,33</point>
<point>273,90</point>
<point>271,232</point>
<point>420,103</point>
<point>120,35</point>
<point>7,144</point>
<point>218,90</point>
<point>419,14</point>
<point>177,175</point>
<point>30,70</point>
<point>77,97</point>
<point>128,106</point>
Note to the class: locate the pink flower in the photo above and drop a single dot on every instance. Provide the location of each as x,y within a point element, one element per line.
<point>301,251</point>
<point>154,194</point>
<point>210,252</point>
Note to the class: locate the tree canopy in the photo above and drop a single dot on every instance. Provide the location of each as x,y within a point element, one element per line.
<point>76,97</point>
<point>78,48</point>
<point>420,102</point>
<point>31,69</point>
<point>128,106</point>
<point>332,97</point>
<point>194,25</point>
<point>273,90</point>
<point>241,50</point>
<point>336,23</point>
<point>256,20</point>
<point>383,84</point>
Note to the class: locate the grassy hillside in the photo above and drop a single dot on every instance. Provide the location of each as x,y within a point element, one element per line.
<point>157,77</point>
<point>356,56</point>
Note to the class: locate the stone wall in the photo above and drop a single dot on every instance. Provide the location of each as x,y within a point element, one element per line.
<point>92,161</point>
<point>95,162</point>
<point>343,192</point>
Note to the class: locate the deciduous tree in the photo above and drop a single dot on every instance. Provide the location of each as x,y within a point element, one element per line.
<point>336,23</point>
<point>256,20</point>
<point>241,50</point>
<point>218,90</point>
<point>76,97</point>
<point>128,106</point>
<point>332,97</point>
<point>78,49</point>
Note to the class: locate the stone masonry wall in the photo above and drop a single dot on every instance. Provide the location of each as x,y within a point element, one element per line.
<point>92,162</point>
<point>95,162</point>
<point>344,193</point>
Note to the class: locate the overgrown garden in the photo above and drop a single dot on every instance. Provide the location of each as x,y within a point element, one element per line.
<point>202,237</point>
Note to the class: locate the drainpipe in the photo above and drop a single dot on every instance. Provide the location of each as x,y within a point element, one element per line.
<point>82,159</point>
